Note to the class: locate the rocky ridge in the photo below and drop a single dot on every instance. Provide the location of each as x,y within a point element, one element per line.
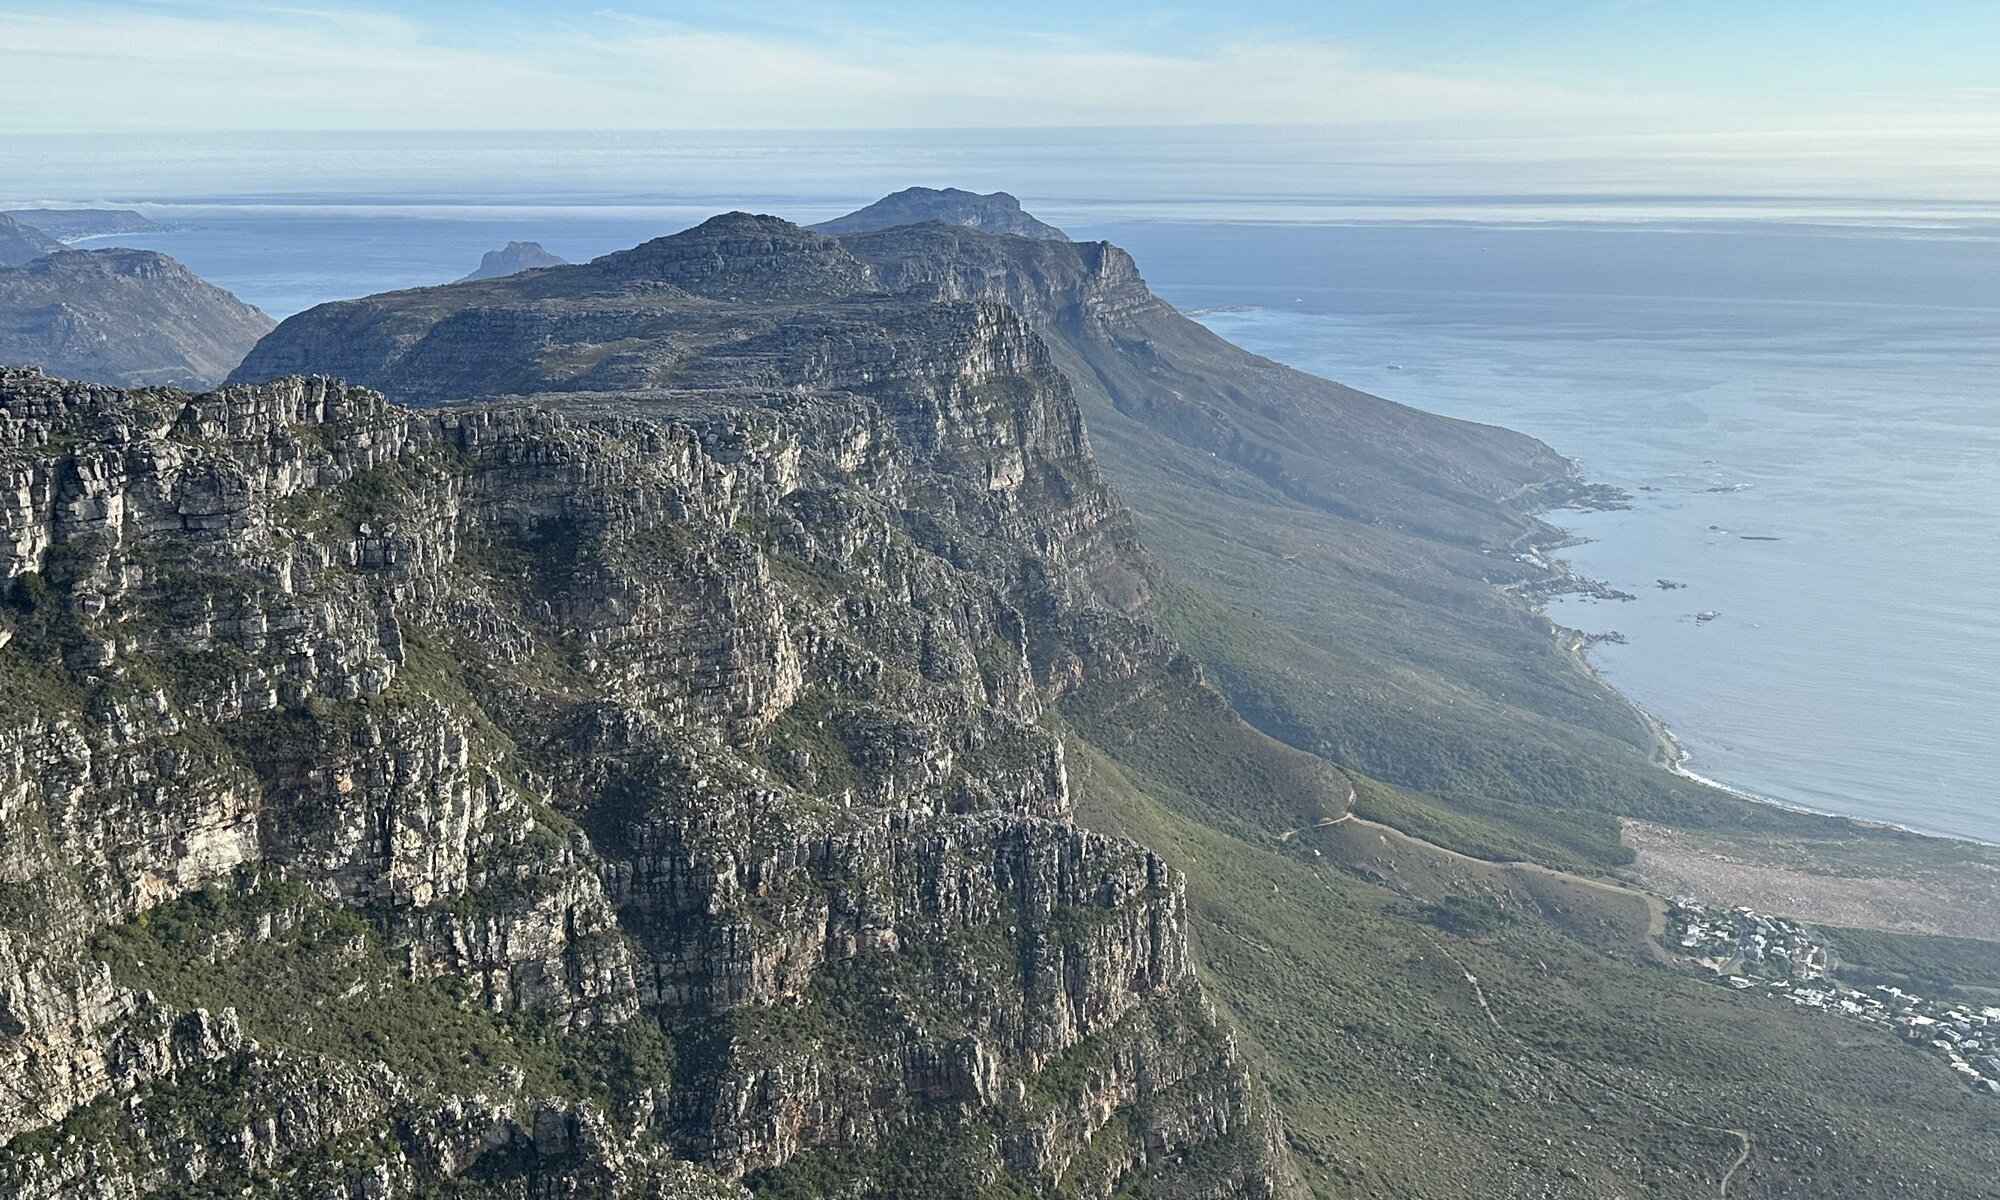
<point>1145,374</point>
<point>1371,514</point>
<point>131,317</point>
<point>1352,615</point>
<point>21,243</point>
<point>640,794</point>
<point>1145,367</point>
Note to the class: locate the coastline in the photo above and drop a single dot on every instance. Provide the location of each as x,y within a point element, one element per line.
<point>1564,580</point>
<point>1671,756</point>
<point>1667,749</point>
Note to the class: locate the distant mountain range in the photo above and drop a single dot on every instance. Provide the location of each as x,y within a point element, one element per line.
<point>75,224</point>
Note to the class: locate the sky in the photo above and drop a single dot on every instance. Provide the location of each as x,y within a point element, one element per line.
<point>1870,98</point>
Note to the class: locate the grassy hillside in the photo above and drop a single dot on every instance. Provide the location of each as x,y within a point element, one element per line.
<point>1577,1065</point>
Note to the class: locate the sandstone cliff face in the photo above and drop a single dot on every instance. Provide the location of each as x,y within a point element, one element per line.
<point>650,795</point>
<point>1154,384</point>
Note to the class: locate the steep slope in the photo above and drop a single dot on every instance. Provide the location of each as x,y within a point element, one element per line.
<point>1440,1028</point>
<point>1370,560</point>
<point>124,317</point>
<point>20,243</point>
<point>1363,552</point>
<point>1347,552</point>
<point>514,258</point>
<point>1351,954</point>
<point>995,212</point>
<point>640,796</point>
<point>1314,441</point>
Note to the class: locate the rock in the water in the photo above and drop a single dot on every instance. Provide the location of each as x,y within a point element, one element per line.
<point>514,258</point>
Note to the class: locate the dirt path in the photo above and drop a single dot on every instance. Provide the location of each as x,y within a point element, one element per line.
<point>1656,909</point>
<point>1322,823</point>
<point>1742,1136</point>
<point>1478,993</point>
<point>1656,912</point>
<point>1743,1156</point>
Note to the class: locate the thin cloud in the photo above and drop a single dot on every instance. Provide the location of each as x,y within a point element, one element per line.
<point>203,67</point>
<point>285,67</point>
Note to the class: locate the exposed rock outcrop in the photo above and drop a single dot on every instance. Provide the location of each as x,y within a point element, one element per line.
<point>1153,381</point>
<point>638,796</point>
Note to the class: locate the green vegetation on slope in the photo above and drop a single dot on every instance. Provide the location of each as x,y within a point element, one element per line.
<point>316,979</point>
<point>1590,1069</point>
<point>1947,966</point>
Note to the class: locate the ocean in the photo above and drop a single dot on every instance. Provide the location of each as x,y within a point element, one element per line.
<point>1807,420</point>
<point>1802,398</point>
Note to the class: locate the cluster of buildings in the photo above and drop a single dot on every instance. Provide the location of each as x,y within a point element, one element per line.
<point>1968,1036</point>
<point>1750,951</point>
<point>1741,944</point>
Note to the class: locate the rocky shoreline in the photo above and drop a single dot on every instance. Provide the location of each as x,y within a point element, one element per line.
<point>1669,753</point>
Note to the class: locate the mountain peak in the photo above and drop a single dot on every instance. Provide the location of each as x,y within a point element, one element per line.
<point>994,212</point>
<point>745,256</point>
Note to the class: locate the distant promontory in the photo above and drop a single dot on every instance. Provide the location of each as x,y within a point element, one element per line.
<point>995,212</point>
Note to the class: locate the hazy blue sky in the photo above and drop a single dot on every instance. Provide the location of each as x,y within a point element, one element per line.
<point>1832,95</point>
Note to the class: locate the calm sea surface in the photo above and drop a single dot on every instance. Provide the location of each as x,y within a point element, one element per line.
<point>1807,414</point>
<point>1808,421</point>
